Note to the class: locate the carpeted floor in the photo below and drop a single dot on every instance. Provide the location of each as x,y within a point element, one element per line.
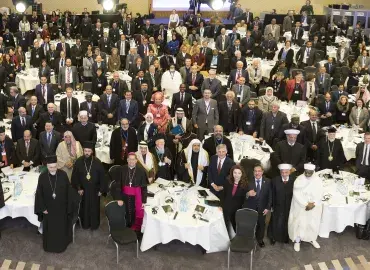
<point>21,243</point>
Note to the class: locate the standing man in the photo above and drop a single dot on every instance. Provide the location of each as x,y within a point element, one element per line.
<point>69,109</point>
<point>182,100</point>
<point>205,114</point>
<point>213,84</point>
<point>88,178</point>
<point>250,119</point>
<point>21,123</point>
<point>108,105</point>
<point>48,141</point>
<point>119,86</point>
<point>128,108</point>
<point>84,131</point>
<point>259,197</point>
<point>44,93</point>
<point>313,134</point>
<point>53,202</point>
<point>68,76</point>
<point>282,194</point>
<point>363,157</point>
<point>229,112</point>
<point>210,144</point>
<point>91,107</point>
<point>306,209</point>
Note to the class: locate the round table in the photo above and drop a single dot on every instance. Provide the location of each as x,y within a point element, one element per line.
<point>24,205</point>
<point>163,228</point>
<point>104,133</point>
<point>339,212</point>
<point>27,80</point>
<point>350,138</point>
<point>289,109</point>
<point>245,146</point>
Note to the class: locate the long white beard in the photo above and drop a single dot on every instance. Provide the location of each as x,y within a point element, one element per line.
<point>53,173</point>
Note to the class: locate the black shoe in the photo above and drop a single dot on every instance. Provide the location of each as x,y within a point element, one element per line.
<point>261,244</point>
<point>272,241</point>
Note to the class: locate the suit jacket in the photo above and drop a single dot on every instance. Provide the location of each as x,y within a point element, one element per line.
<point>104,109</point>
<point>37,112</point>
<point>218,179</point>
<point>180,59</point>
<point>59,48</point>
<point>234,60</point>
<point>17,129</point>
<point>33,152</point>
<point>105,45</point>
<point>3,106</point>
<point>148,30</point>
<point>363,119</point>
<point>276,31</point>
<point>311,60</point>
<point>360,154</point>
<point>234,75</point>
<point>119,88</point>
<point>127,47</point>
<point>345,55</point>
<point>288,23</point>
<point>157,80</point>
<point>92,111</point>
<point>62,77</point>
<point>360,61</point>
<point>131,114</point>
<point>247,43</point>
<point>309,133</point>
<point>223,112</point>
<point>324,86</point>
<point>36,56</point>
<point>18,101</point>
<point>200,116</point>
<point>288,58</point>
<point>219,43</point>
<point>99,84</point>
<point>10,153</point>
<point>246,93</point>
<point>197,94</point>
<point>187,104</point>
<point>335,95</point>
<point>249,127</point>
<point>148,63</point>
<point>94,68</point>
<point>128,28</point>
<point>141,50</point>
<point>268,122</point>
<point>47,149</point>
<point>75,109</point>
<point>184,73</point>
<point>323,110</point>
<point>263,200</point>
<point>215,87</point>
<point>330,70</point>
<point>49,96</point>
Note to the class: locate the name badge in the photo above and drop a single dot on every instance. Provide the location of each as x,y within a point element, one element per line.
<point>90,115</point>
<point>161,164</point>
<point>23,39</point>
<point>7,41</point>
<point>248,123</point>
<point>126,144</point>
<point>99,85</point>
<point>3,153</point>
<point>296,92</point>
<point>114,89</point>
<point>158,115</point>
<point>37,56</point>
<point>99,35</point>
<point>343,114</point>
<point>115,64</point>
<point>272,127</point>
<point>144,102</point>
<point>238,96</point>
<point>51,58</point>
<point>106,46</point>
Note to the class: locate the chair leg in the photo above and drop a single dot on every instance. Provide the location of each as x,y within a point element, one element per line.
<point>79,221</point>
<point>107,240</point>
<point>137,248</point>
<point>117,251</point>
<point>73,232</point>
<point>251,259</point>
<point>228,259</point>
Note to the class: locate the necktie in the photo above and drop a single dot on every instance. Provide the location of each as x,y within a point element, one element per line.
<point>314,131</point>
<point>23,122</point>
<point>49,139</point>
<point>193,81</point>
<point>219,166</point>
<point>363,162</point>
<point>62,63</point>
<point>127,106</point>
<point>182,98</point>
<point>327,106</point>
<point>258,187</point>
<point>69,109</point>
<point>68,75</point>
<point>108,101</point>
<point>33,110</point>
<point>229,106</point>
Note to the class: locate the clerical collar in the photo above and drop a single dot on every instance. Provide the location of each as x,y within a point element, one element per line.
<point>84,124</point>
<point>131,168</point>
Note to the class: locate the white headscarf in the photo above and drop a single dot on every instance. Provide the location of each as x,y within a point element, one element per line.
<point>147,125</point>
<point>203,160</point>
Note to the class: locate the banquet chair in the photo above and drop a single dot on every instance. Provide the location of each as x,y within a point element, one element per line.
<point>75,214</point>
<point>244,240</point>
<point>87,86</point>
<point>120,234</point>
<point>320,54</point>
<point>112,174</point>
<point>309,69</point>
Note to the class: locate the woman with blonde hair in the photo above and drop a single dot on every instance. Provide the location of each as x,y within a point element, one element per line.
<point>114,61</point>
<point>160,112</point>
<point>68,151</point>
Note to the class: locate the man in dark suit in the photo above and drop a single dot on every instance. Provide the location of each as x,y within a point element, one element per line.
<point>194,82</point>
<point>213,84</point>
<point>234,35</point>
<point>149,30</point>
<point>86,28</point>
<point>48,141</point>
<point>197,20</point>
<point>84,130</point>
<point>153,79</point>
<point>69,109</point>
<point>64,46</point>
<point>51,115</point>
<point>91,107</point>
<point>269,47</point>
<point>37,54</point>
<point>135,68</point>
<point>271,124</point>
<point>218,170</point>
<point>114,35</point>
<point>143,48</point>
<point>250,119</point>
<point>137,81</point>
<point>248,44</point>
<point>297,34</point>
<point>128,108</point>
<point>119,86</point>
<point>7,150</point>
<point>97,33</point>
<point>44,92</point>
<point>75,22</point>
<point>123,47</point>
<point>128,27</point>
<point>217,138</point>
<point>316,44</point>
<point>327,111</point>
<point>336,94</point>
<point>34,110</point>
<point>143,98</point>
<point>23,40</point>
<point>166,61</point>
<point>51,58</point>
<point>105,43</point>
<point>21,123</point>
<point>181,56</point>
<point>149,60</point>
<point>330,66</point>
<point>77,53</point>
<point>99,63</point>
<point>215,30</point>
<point>17,100</point>
<point>363,157</point>
<point>259,198</point>
<point>236,58</point>
<point>108,105</point>
<point>257,35</point>
<point>223,45</point>
<point>27,151</point>
<point>323,80</point>
<point>306,56</point>
<point>182,100</point>
<point>229,112</point>
<point>235,74</point>
<point>236,47</point>
<point>313,134</point>
<point>161,31</point>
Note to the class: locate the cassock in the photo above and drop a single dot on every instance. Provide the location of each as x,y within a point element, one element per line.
<point>211,143</point>
<point>56,225</point>
<point>131,187</point>
<point>122,142</point>
<point>93,169</point>
<point>84,133</point>
<point>282,194</point>
<point>163,169</point>
<point>295,155</point>
<point>305,224</point>
<point>330,155</point>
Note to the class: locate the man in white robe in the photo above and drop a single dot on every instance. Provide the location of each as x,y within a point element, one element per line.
<point>145,159</point>
<point>306,208</point>
<point>170,82</point>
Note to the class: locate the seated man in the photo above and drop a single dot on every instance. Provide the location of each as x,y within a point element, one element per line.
<point>217,138</point>
<point>27,151</point>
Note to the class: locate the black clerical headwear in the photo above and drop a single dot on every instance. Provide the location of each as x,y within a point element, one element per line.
<point>87,144</point>
<point>51,159</point>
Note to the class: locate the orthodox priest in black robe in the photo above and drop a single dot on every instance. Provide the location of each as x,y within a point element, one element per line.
<point>282,193</point>
<point>88,178</point>
<point>84,131</point>
<point>131,188</point>
<point>163,160</point>
<point>330,153</point>
<point>53,205</point>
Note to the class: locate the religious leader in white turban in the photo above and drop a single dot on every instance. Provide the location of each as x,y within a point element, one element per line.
<point>145,159</point>
<point>306,209</point>
<point>192,164</point>
<point>170,82</point>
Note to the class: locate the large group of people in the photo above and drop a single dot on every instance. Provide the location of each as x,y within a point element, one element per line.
<point>188,139</point>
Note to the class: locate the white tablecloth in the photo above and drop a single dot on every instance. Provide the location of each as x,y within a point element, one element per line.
<point>339,39</point>
<point>104,134</point>
<point>350,138</point>
<point>24,205</point>
<point>245,146</point>
<point>28,80</point>
<point>290,109</point>
<point>337,213</point>
<point>161,228</point>
<point>288,35</point>
<point>7,127</point>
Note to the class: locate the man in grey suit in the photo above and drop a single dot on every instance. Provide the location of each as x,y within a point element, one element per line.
<point>364,62</point>
<point>288,22</point>
<point>131,57</point>
<point>323,80</point>
<point>48,141</point>
<point>242,92</point>
<point>273,29</point>
<point>271,124</point>
<point>223,44</point>
<point>213,84</point>
<point>205,114</point>
<point>68,76</point>
<point>342,54</point>
<point>185,70</point>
